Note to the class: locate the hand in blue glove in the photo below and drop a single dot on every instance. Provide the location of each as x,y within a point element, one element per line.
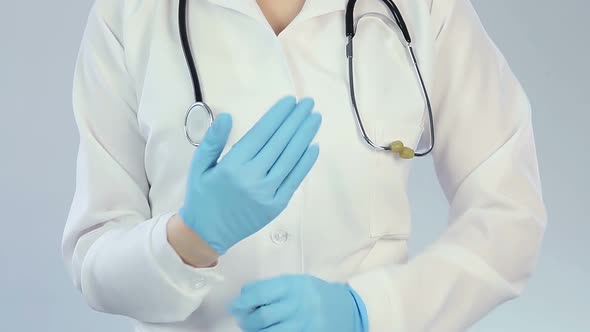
<point>299,303</point>
<point>251,185</point>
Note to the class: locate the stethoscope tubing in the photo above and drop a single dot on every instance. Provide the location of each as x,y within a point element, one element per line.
<point>183,28</point>
<point>351,27</point>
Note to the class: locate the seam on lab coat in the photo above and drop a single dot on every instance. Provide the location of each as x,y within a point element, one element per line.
<point>473,264</point>
<point>518,127</point>
<point>85,241</point>
<point>448,5</point>
<point>87,291</point>
<point>118,36</point>
<point>375,289</point>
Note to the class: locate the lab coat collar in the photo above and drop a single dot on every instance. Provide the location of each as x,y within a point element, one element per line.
<point>311,8</point>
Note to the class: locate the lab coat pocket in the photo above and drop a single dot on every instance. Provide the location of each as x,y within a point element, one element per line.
<point>390,205</point>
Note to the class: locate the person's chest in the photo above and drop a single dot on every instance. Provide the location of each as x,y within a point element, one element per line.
<point>243,68</point>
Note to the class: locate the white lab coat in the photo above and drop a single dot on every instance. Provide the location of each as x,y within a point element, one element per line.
<point>350,219</point>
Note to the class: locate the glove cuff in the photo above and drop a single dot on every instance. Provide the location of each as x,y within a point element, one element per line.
<point>361,318</point>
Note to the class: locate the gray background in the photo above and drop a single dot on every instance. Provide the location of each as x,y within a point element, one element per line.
<point>546,43</point>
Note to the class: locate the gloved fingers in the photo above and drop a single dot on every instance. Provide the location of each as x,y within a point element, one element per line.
<point>262,292</point>
<point>252,142</point>
<point>291,325</point>
<point>267,315</point>
<point>268,155</point>
<point>213,143</point>
<point>297,174</point>
<point>296,148</point>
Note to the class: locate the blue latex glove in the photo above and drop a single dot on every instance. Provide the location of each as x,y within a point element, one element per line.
<point>299,303</point>
<point>252,184</point>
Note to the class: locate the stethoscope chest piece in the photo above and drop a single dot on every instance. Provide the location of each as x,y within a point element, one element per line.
<point>198,119</point>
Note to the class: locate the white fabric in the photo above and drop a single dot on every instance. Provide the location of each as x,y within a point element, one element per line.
<point>350,219</point>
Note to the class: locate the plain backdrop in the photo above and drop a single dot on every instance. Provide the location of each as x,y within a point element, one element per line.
<point>545,42</point>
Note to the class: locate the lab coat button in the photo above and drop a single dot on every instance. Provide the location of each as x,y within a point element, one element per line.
<point>199,282</point>
<point>279,237</point>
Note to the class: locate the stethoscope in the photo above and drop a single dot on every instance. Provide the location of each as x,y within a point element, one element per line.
<point>200,107</point>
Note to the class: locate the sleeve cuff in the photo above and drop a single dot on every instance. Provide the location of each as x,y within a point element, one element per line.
<point>183,276</point>
<point>375,289</point>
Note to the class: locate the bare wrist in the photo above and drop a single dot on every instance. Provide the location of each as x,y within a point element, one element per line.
<point>189,246</point>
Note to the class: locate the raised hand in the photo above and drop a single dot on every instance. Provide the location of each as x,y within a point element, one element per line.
<point>230,199</point>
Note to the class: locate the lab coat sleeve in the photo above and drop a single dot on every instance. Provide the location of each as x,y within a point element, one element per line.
<point>116,252</point>
<point>486,163</point>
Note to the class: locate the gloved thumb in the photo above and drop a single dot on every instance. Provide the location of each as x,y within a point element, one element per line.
<point>208,152</point>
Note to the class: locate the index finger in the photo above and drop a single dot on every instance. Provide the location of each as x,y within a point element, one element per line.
<point>255,139</point>
<point>260,293</point>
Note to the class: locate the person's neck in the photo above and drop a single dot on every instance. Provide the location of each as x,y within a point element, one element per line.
<point>280,13</point>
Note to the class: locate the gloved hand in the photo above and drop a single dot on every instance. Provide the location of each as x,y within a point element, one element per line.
<point>229,200</point>
<point>299,303</point>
